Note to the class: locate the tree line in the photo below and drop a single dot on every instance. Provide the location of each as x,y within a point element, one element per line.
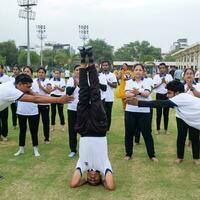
<point>133,51</point>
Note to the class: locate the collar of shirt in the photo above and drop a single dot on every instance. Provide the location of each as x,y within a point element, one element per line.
<point>56,79</point>
<point>105,72</point>
<point>162,75</point>
<point>141,79</point>
<point>41,79</point>
<point>1,74</point>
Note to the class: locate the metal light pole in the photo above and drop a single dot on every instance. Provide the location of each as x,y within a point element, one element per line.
<point>28,14</point>
<point>84,33</point>
<point>41,29</point>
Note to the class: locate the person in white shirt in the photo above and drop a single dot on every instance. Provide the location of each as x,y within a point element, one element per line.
<point>4,113</point>
<point>196,75</point>
<point>72,88</point>
<point>187,108</point>
<point>58,90</point>
<point>92,126</point>
<point>28,112</point>
<point>109,93</point>
<point>44,89</point>
<point>149,81</point>
<point>16,71</point>
<point>138,118</point>
<point>160,80</point>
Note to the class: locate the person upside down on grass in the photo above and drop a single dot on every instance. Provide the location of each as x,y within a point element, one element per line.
<point>92,126</point>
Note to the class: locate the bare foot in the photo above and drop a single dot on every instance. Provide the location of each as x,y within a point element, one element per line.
<point>178,161</point>
<point>197,162</point>
<point>127,158</point>
<point>154,159</point>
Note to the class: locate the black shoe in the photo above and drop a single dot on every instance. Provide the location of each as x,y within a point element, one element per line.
<point>82,52</point>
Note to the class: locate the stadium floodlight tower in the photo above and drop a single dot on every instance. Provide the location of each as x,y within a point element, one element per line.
<point>84,33</point>
<point>28,14</point>
<point>41,29</point>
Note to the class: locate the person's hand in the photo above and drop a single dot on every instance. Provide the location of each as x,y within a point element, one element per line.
<point>65,99</point>
<point>76,82</point>
<point>164,81</point>
<point>189,83</point>
<point>135,91</point>
<point>132,101</point>
<point>130,94</point>
<point>39,83</point>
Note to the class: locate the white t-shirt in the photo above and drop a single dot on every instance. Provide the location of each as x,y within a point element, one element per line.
<point>44,84</point>
<point>60,83</point>
<point>4,78</point>
<point>73,104</point>
<point>188,109</point>
<point>196,86</point>
<point>102,80</point>
<point>8,94</point>
<point>12,78</point>
<point>142,86</point>
<point>93,154</point>
<point>158,79</point>
<point>150,83</point>
<point>109,93</point>
<point>28,108</point>
<point>197,74</point>
<point>67,73</point>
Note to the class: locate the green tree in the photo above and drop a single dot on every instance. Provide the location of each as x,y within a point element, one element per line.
<point>9,51</point>
<point>102,50</point>
<point>2,60</point>
<point>22,58</point>
<point>140,51</point>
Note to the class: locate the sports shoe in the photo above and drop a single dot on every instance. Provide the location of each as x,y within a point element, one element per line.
<point>5,139</point>
<point>52,128</point>
<point>36,153</point>
<point>20,151</point>
<point>71,154</point>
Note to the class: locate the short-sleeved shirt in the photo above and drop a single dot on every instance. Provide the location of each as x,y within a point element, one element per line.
<point>45,83</point>
<point>102,81</point>
<point>188,109</point>
<point>73,104</point>
<point>8,94</point>
<point>142,86</point>
<point>93,154</point>
<point>28,108</point>
<point>60,83</point>
<point>109,94</point>
<point>4,78</point>
<point>158,79</point>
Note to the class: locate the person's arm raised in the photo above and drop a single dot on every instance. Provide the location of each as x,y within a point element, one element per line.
<point>46,99</point>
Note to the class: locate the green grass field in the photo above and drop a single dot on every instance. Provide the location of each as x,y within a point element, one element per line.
<point>47,177</point>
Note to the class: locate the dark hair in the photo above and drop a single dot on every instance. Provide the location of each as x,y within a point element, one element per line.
<point>138,64</point>
<point>57,70</point>
<point>1,66</point>
<point>175,86</point>
<point>105,61</point>
<point>126,64</point>
<point>162,64</point>
<point>187,70</point>
<point>28,67</point>
<point>23,78</point>
<point>41,68</point>
<point>76,66</point>
<point>17,66</point>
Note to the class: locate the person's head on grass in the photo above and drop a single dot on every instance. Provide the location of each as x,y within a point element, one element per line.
<point>94,177</point>
<point>174,88</point>
<point>23,82</point>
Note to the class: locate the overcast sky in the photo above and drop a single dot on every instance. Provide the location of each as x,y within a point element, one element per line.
<point>119,22</point>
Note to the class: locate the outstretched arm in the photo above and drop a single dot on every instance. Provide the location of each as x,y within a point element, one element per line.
<point>151,104</point>
<point>77,180</point>
<point>45,99</point>
<point>109,182</point>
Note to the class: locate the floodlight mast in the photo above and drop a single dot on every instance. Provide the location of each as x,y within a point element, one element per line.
<point>41,29</point>
<point>28,14</point>
<point>84,33</point>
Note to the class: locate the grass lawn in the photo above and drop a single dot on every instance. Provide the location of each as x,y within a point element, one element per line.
<point>47,177</point>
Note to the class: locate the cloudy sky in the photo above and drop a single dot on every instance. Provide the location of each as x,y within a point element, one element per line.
<point>119,22</point>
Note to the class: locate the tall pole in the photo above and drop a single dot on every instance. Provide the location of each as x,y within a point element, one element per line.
<point>28,14</point>
<point>28,37</point>
<point>41,29</point>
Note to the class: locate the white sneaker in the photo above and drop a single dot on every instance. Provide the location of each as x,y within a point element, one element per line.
<point>5,139</point>
<point>71,154</point>
<point>20,151</point>
<point>36,153</point>
<point>52,128</point>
